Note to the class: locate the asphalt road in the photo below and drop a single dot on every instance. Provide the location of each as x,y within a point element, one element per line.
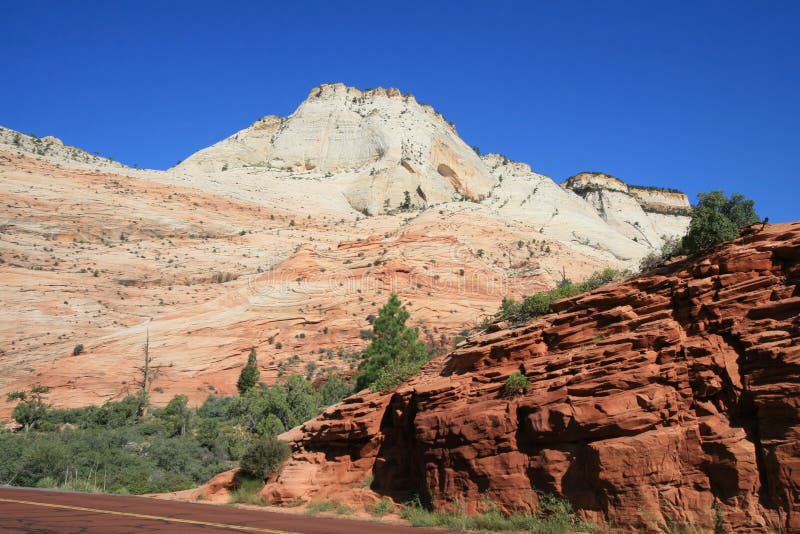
<point>62,512</point>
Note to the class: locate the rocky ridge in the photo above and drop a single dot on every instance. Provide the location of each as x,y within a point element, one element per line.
<point>670,398</point>
<point>53,148</point>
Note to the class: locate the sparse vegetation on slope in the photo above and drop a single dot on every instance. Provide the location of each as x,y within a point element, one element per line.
<point>540,303</point>
<point>656,188</point>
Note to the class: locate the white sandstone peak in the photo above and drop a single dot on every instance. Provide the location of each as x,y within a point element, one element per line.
<point>374,145</point>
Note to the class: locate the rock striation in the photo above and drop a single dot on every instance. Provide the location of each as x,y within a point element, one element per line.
<point>670,398</point>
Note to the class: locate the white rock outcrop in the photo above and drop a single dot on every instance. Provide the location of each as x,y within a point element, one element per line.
<point>375,145</point>
<point>643,215</point>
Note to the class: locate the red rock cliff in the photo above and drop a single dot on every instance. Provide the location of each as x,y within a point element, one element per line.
<point>650,401</point>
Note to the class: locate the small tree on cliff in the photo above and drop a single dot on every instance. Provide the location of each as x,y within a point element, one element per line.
<point>717,219</point>
<point>395,353</point>
<point>31,408</point>
<point>249,376</point>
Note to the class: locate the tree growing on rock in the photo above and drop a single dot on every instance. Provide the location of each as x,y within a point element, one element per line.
<point>395,354</point>
<point>249,376</point>
<point>717,219</point>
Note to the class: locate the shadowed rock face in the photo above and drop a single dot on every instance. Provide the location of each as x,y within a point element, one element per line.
<point>650,401</point>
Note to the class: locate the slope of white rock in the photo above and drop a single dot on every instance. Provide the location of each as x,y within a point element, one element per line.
<point>557,213</point>
<point>371,146</point>
<point>644,216</point>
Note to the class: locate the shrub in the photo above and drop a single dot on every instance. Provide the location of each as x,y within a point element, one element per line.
<point>516,384</point>
<point>78,349</point>
<point>247,492</point>
<point>365,334</point>
<point>263,457</point>
<point>672,247</point>
<point>381,508</point>
<point>406,204</point>
<point>716,219</point>
<point>394,374</point>
<point>31,408</point>
<point>111,448</point>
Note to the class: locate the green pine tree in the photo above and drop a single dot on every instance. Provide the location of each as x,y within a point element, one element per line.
<point>395,353</point>
<point>248,378</point>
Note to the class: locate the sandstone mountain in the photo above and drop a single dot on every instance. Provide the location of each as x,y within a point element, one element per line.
<point>670,398</point>
<point>381,151</point>
<point>286,236</point>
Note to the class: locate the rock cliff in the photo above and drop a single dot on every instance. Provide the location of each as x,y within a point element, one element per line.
<point>644,215</point>
<point>670,398</point>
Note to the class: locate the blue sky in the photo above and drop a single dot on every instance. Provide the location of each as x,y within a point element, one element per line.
<point>693,95</point>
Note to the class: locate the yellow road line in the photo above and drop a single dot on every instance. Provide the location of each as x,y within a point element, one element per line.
<point>147,516</point>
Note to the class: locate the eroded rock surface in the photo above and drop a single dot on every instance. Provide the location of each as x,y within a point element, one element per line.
<point>653,402</point>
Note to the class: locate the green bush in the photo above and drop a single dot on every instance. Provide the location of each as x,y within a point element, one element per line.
<point>31,408</point>
<point>394,374</point>
<point>381,508</point>
<point>110,448</point>
<point>672,247</point>
<point>516,384</point>
<point>247,491</point>
<point>264,456</point>
<point>717,219</point>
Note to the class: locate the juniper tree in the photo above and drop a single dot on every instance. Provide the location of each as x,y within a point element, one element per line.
<point>716,219</point>
<point>31,408</point>
<point>248,378</point>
